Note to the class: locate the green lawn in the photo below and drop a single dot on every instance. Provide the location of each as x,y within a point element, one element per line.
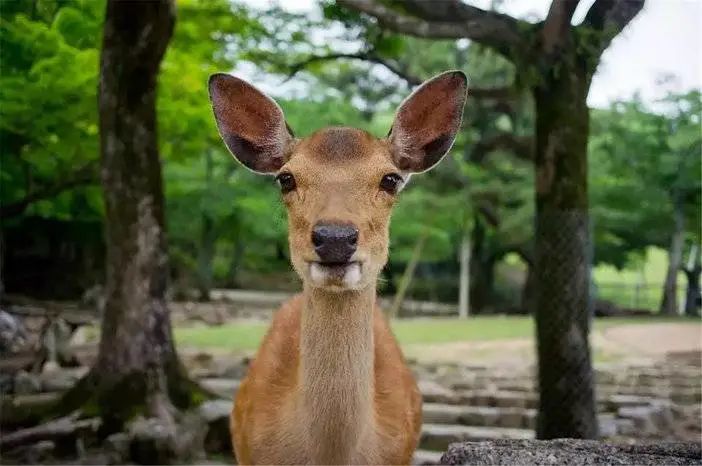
<point>247,335</point>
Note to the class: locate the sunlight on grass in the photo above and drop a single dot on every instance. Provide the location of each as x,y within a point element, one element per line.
<point>248,335</point>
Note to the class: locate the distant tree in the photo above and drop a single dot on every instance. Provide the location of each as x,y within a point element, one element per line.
<point>645,173</point>
<point>556,62</point>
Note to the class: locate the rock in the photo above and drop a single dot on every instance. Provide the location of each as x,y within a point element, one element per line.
<point>608,425</point>
<point>153,441</point>
<point>432,392</point>
<point>436,413</point>
<point>426,457</point>
<point>60,380</point>
<point>50,367</point>
<point>13,335</point>
<point>26,383</point>
<point>481,416</point>
<point>214,410</point>
<point>512,417</point>
<point>571,452</point>
<point>439,436</point>
<point>226,388</point>
<point>216,414</point>
<point>116,448</point>
<point>41,451</point>
<point>641,416</point>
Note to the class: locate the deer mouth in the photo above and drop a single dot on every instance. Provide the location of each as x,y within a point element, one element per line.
<point>340,274</point>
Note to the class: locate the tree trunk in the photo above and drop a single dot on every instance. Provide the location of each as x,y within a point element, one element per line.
<point>207,239</point>
<point>692,273</point>
<point>562,256</point>
<point>669,303</point>
<point>235,263</point>
<point>464,279</point>
<point>137,369</point>
<point>407,276</point>
<point>528,295</point>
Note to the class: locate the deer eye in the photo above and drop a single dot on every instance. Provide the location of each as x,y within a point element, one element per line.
<point>391,182</point>
<point>286,182</point>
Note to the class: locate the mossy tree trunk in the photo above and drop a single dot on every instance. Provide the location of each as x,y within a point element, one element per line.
<point>562,254</point>
<point>137,370</point>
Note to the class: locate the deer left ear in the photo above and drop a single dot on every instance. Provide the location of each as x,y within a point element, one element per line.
<point>427,121</point>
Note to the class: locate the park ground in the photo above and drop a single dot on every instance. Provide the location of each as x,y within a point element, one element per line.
<point>486,338</point>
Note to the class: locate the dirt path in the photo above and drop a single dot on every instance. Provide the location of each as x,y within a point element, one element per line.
<point>654,339</point>
<point>650,341</point>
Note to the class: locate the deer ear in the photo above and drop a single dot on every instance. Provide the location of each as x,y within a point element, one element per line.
<point>427,121</point>
<point>252,125</point>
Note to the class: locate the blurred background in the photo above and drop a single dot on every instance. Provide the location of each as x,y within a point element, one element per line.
<point>487,259</point>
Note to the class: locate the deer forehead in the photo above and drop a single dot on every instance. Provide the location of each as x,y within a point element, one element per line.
<point>340,155</point>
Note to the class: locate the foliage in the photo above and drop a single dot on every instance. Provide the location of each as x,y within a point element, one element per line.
<point>223,220</point>
<point>641,164</point>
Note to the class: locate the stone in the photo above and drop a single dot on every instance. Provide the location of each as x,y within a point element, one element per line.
<point>226,388</point>
<point>436,393</point>
<point>641,416</point>
<point>686,397</point>
<point>608,425</point>
<point>626,428</point>
<point>571,452</point>
<point>511,417</point>
<point>439,436</point>
<point>480,416</point>
<point>41,451</point>
<point>426,457</point>
<point>26,383</point>
<point>216,414</point>
<point>60,380</point>
<point>153,441</point>
<point>436,413</point>
<point>13,335</point>
<point>116,448</point>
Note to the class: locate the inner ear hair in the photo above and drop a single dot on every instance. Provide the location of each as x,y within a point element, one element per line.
<point>427,122</point>
<point>251,124</point>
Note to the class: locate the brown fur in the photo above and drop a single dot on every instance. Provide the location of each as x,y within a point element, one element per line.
<point>329,384</point>
<point>269,390</point>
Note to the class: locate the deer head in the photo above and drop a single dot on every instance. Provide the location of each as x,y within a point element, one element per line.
<point>339,184</point>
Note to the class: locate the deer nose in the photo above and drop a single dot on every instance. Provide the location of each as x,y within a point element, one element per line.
<point>334,243</point>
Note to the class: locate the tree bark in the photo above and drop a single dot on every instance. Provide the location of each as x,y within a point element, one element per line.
<point>464,279</point>
<point>692,273</point>
<point>669,302</point>
<point>407,276</point>
<point>137,369</point>
<point>562,255</point>
<point>207,239</point>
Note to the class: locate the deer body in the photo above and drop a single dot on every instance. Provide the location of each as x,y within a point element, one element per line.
<point>333,391</point>
<point>329,384</point>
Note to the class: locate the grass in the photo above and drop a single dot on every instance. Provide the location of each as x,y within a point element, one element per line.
<point>248,335</point>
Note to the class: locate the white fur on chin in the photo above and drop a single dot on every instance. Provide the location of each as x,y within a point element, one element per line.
<point>323,276</point>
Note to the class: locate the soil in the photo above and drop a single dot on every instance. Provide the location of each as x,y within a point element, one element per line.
<point>650,341</point>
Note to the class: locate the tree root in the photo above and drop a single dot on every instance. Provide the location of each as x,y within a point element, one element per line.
<point>68,426</point>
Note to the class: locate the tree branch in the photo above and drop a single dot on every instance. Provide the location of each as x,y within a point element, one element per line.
<point>557,24</point>
<point>446,19</point>
<point>520,146</point>
<point>498,93</point>
<point>83,176</point>
<point>366,56</point>
<point>610,17</point>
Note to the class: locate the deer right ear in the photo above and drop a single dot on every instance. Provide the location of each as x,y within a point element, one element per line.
<point>251,124</point>
<point>427,122</point>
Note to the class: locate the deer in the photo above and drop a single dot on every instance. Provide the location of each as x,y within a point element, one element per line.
<point>329,383</point>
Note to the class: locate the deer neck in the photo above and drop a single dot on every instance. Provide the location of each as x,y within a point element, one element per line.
<point>336,364</point>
